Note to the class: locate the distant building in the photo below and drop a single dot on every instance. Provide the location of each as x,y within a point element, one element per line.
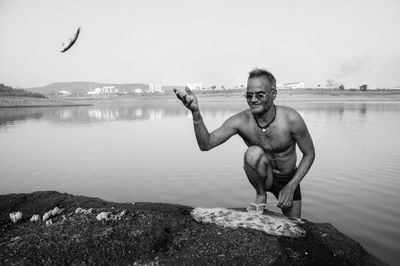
<point>106,90</point>
<point>195,86</point>
<point>64,93</point>
<point>158,88</point>
<point>151,88</point>
<point>96,91</point>
<point>137,90</point>
<point>236,87</point>
<point>294,85</point>
<point>155,88</point>
<point>109,90</point>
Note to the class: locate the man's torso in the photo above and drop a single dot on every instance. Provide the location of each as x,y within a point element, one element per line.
<point>277,140</point>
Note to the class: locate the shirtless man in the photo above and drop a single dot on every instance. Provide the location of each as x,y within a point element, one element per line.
<point>271,133</point>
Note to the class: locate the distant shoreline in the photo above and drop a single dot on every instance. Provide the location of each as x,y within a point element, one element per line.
<point>17,102</point>
<point>282,96</point>
<point>306,95</point>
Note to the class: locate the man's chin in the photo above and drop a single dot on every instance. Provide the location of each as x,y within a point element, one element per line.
<point>256,110</point>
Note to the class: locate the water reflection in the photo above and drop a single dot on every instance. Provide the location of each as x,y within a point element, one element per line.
<point>160,110</point>
<point>8,116</point>
<point>363,109</point>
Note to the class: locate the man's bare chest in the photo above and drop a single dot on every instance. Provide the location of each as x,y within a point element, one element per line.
<point>275,139</point>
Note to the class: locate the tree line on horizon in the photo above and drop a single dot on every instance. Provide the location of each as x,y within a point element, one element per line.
<point>10,91</point>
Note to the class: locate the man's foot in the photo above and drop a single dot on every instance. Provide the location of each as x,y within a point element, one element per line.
<point>259,205</point>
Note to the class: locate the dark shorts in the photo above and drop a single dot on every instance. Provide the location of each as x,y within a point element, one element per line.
<point>281,180</point>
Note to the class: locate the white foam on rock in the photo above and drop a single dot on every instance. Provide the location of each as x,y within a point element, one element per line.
<point>270,223</point>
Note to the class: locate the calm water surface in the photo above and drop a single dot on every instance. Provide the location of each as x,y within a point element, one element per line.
<point>146,151</point>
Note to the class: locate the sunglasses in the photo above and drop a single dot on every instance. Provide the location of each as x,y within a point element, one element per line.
<point>259,95</point>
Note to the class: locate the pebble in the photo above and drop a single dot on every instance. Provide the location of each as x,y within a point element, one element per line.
<point>103,216</point>
<point>84,211</point>
<point>35,218</point>
<point>109,216</point>
<point>15,216</point>
<point>50,213</point>
<point>120,215</point>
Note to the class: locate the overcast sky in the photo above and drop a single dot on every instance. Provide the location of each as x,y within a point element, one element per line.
<point>213,42</point>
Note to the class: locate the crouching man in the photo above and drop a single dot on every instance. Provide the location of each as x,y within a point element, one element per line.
<point>271,133</point>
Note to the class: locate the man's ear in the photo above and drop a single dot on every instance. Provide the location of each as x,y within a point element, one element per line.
<point>274,94</point>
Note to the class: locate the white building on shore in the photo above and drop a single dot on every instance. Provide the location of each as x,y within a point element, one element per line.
<point>294,85</point>
<point>106,90</point>
<point>64,93</point>
<point>137,90</point>
<point>155,88</point>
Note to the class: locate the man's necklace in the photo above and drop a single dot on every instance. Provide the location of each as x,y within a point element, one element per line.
<point>264,128</point>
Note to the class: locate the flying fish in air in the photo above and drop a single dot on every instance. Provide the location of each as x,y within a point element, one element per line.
<point>70,42</point>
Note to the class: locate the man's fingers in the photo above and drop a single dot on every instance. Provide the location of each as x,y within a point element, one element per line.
<point>283,201</point>
<point>188,91</point>
<point>176,93</point>
<point>279,200</point>
<point>179,94</point>
<point>287,202</point>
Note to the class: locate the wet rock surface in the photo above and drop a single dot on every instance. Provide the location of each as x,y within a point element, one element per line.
<point>154,234</point>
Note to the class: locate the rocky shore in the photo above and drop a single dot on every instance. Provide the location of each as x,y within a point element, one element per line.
<point>84,230</point>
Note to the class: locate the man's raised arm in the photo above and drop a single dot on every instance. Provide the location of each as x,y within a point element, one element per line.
<point>205,140</point>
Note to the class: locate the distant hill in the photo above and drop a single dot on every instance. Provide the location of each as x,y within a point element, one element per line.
<point>85,86</point>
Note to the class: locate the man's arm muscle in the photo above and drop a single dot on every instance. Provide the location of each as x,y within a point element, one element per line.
<point>303,139</point>
<point>206,140</point>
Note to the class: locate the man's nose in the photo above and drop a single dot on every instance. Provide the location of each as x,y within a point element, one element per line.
<point>254,98</point>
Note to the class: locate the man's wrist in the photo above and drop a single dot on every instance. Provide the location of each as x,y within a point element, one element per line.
<point>197,122</point>
<point>196,116</point>
<point>293,184</point>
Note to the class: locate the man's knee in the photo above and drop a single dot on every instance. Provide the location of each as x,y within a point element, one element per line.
<point>253,156</point>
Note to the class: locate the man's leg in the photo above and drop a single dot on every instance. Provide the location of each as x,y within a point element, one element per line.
<point>258,171</point>
<point>293,211</point>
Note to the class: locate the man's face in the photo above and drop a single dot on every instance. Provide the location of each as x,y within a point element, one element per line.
<point>260,95</point>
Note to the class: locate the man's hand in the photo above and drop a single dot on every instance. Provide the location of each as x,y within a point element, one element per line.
<point>188,99</point>
<point>286,196</point>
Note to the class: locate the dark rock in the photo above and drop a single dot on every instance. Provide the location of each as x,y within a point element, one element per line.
<point>155,234</point>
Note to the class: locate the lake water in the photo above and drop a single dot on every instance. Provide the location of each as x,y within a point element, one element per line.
<point>146,151</point>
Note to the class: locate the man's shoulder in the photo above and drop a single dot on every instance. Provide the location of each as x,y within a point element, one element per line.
<point>285,109</point>
<point>289,113</point>
<point>241,115</point>
<point>239,118</point>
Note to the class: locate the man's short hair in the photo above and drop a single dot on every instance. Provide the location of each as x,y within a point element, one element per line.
<point>259,72</point>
